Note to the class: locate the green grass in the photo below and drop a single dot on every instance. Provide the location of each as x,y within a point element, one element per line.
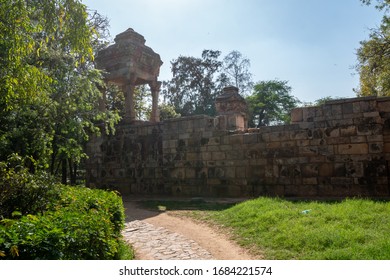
<point>279,229</point>
<point>125,251</point>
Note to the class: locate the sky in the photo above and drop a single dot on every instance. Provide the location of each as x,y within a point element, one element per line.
<point>309,43</point>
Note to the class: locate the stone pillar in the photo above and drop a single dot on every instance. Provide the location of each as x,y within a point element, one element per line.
<point>155,89</point>
<point>128,91</point>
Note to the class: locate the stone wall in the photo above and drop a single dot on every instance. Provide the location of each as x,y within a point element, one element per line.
<point>336,150</point>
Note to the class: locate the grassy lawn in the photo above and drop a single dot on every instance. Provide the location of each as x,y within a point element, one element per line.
<point>280,229</point>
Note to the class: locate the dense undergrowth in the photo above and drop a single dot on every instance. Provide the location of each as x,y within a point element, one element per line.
<point>41,219</point>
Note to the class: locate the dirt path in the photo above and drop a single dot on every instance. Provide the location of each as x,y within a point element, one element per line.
<point>216,243</point>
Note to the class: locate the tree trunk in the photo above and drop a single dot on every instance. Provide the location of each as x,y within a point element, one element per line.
<point>64,172</point>
<point>72,172</point>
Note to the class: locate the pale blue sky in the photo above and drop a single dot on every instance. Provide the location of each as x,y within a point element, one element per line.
<point>309,43</point>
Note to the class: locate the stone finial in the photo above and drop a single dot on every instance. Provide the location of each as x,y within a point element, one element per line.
<point>230,101</point>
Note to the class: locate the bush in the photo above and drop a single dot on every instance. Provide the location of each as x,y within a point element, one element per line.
<point>23,193</point>
<point>82,224</point>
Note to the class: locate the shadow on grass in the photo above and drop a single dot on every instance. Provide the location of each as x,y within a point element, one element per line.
<point>198,205</point>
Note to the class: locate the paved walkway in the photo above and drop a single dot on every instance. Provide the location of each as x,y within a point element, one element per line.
<point>158,243</point>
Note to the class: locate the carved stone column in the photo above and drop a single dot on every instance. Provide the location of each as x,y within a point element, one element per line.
<point>128,91</point>
<point>155,89</point>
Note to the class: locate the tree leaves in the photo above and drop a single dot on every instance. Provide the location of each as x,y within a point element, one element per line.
<point>271,103</point>
<point>374,57</point>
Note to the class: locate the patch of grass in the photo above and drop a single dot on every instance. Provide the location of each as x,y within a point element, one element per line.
<point>125,251</point>
<point>356,229</point>
<point>280,229</point>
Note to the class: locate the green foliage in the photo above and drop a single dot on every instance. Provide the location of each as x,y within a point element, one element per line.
<point>270,103</point>
<point>48,85</point>
<point>167,112</point>
<point>351,229</point>
<point>22,192</point>
<point>142,102</point>
<point>374,57</point>
<point>83,224</point>
<point>195,84</point>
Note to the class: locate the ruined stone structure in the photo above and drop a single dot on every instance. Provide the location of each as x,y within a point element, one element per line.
<point>129,63</point>
<point>339,149</point>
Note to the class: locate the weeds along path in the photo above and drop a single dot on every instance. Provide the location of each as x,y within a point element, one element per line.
<point>159,235</point>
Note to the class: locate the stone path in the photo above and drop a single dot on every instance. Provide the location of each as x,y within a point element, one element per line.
<point>158,243</point>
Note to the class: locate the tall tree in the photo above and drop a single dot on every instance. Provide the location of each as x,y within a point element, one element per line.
<point>374,57</point>
<point>195,84</point>
<point>271,103</point>
<point>237,69</point>
<point>48,85</point>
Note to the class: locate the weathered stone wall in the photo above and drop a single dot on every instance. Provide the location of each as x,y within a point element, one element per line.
<point>336,150</point>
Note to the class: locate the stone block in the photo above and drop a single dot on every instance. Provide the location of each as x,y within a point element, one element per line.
<point>303,143</point>
<point>299,135</point>
<point>338,140</point>
<point>356,107</point>
<point>230,172</point>
<point>279,136</point>
<point>325,170</point>
<point>297,115</point>
<point>368,105</point>
<point>250,138</point>
<point>386,148</point>
<point>273,145</point>
<point>341,181</point>
<point>308,151</point>
<point>339,170</point>
<point>371,114</point>
<point>218,155</point>
<point>310,181</point>
<point>375,148</point>
<point>352,149</point>
<point>332,132</point>
<point>213,148</point>
<point>358,139</point>
<point>308,191</point>
<point>225,148</point>
<point>369,129</point>
<point>308,114</point>
<point>348,130</point>
<point>192,156</point>
<point>236,139</point>
<point>383,106</point>
<point>375,138</point>
<point>288,144</point>
<point>214,141</point>
<point>309,170</point>
<point>347,108</point>
<point>354,169</point>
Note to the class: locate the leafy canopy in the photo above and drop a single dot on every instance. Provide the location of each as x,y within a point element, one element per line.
<point>374,57</point>
<point>270,103</point>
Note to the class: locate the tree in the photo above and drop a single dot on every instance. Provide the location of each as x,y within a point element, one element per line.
<point>167,112</point>
<point>48,84</point>
<point>195,84</point>
<point>374,57</point>
<point>236,68</point>
<point>270,103</point>
<point>143,102</point>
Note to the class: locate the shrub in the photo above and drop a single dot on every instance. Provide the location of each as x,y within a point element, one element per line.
<point>82,224</point>
<point>23,193</point>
